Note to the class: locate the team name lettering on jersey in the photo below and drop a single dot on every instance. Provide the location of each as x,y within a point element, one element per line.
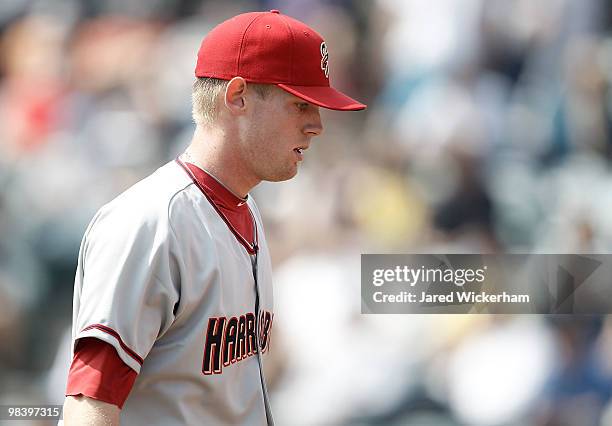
<point>230,340</point>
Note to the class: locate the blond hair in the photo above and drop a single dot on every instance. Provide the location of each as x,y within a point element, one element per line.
<point>205,93</point>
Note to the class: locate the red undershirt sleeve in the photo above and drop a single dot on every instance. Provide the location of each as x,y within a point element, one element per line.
<point>98,372</point>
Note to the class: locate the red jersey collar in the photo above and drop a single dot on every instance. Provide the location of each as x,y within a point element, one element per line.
<point>233,210</point>
<point>220,194</point>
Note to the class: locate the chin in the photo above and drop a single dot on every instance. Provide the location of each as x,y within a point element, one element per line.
<point>280,177</point>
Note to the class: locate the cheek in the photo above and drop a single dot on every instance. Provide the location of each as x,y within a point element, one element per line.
<point>277,134</point>
<point>288,127</point>
<point>262,143</point>
<point>272,132</point>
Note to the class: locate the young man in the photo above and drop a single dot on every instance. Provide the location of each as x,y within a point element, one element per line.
<point>173,291</point>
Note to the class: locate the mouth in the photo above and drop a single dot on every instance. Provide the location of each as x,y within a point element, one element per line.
<point>299,151</point>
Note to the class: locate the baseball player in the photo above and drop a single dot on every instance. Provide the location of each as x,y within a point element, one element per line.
<point>173,311</point>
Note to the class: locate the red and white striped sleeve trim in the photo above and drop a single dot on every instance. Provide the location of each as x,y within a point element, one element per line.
<point>116,335</point>
<point>112,337</point>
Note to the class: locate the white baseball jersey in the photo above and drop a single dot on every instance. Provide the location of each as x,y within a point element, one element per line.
<point>164,279</point>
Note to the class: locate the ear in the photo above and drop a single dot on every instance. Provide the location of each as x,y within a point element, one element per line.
<point>235,95</point>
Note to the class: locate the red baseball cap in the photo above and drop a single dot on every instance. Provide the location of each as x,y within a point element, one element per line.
<point>271,48</point>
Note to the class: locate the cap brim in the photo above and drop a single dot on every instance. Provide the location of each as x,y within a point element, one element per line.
<point>324,96</point>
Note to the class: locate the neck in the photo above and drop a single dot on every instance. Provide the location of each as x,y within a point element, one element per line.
<point>214,151</point>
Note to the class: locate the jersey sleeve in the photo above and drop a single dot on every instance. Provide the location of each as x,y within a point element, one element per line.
<point>98,372</point>
<point>128,281</point>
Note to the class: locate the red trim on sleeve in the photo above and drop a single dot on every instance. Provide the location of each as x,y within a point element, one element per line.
<point>113,333</point>
<point>98,372</point>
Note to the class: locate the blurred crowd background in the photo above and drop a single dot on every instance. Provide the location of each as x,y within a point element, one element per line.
<point>489,129</point>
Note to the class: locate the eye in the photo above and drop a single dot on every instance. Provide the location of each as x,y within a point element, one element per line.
<point>302,106</point>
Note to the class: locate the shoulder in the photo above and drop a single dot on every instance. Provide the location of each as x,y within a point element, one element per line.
<point>143,206</point>
<point>154,192</point>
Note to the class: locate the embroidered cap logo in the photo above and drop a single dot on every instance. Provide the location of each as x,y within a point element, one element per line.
<point>324,59</point>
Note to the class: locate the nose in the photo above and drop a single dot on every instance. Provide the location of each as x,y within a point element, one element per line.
<point>315,125</point>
